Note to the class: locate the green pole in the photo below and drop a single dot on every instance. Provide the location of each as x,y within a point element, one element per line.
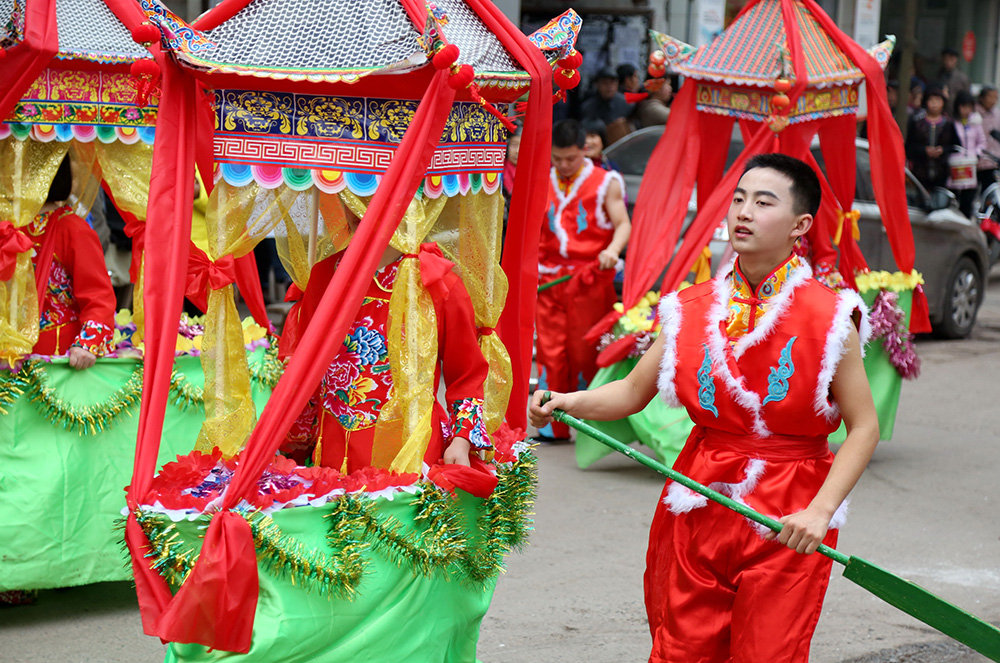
<point>546,286</point>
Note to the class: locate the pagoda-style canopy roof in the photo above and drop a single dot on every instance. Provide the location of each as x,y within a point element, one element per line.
<point>753,51</point>
<point>340,41</point>
<point>89,31</point>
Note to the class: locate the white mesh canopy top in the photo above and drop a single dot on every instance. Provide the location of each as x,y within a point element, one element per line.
<point>476,44</point>
<point>306,34</point>
<point>88,30</point>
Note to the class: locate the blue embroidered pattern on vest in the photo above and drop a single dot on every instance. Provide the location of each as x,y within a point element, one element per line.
<point>581,218</point>
<point>706,388</point>
<point>552,217</point>
<point>777,381</point>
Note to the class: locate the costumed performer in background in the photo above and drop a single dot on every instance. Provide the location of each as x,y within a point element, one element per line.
<point>342,427</point>
<point>587,229</point>
<point>766,360</point>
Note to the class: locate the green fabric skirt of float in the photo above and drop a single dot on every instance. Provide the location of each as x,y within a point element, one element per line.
<point>415,574</point>
<point>658,426</point>
<point>67,445</point>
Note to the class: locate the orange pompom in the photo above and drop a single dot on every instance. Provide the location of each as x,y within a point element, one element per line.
<point>780,101</point>
<point>657,58</point>
<point>782,85</point>
<point>656,70</point>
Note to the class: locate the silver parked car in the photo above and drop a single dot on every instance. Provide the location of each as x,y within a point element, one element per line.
<point>951,250</point>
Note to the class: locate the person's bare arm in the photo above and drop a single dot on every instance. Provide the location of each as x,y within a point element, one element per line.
<point>804,531</point>
<point>615,400</point>
<point>614,207</point>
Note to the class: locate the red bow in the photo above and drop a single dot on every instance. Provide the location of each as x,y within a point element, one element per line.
<point>204,274</point>
<point>12,242</point>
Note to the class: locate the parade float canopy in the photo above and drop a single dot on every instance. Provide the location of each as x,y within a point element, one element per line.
<point>69,90</point>
<point>311,138</point>
<point>786,73</point>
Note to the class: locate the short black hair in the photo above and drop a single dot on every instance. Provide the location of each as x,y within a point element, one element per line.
<point>963,98</point>
<point>596,126</point>
<point>62,183</point>
<point>949,51</point>
<point>986,89</point>
<point>806,191</point>
<point>567,133</point>
<point>626,71</point>
<point>934,91</point>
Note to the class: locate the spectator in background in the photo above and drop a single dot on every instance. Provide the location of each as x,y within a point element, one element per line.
<point>952,79</point>
<point>654,109</point>
<point>916,100</point>
<point>608,105</point>
<point>990,114</point>
<point>971,143</point>
<point>593,147</point>
<point>628,79</point>
<point>930,138</point>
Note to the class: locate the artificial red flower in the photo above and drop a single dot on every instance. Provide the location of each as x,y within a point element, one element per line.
<point>504,440</point>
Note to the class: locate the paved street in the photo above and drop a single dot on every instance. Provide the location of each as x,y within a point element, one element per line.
<point>926,510</point>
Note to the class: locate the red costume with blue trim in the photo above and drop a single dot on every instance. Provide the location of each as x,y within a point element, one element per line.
<point>576,230</point>
<point>753,370</point>
<point>78,302</point>
<point>341,420</point>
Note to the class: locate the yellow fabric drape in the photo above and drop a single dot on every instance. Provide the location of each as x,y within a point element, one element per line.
<point>237,218</point>
<point>27,168</point>
<point>405,421</point>
<point>292,232</point>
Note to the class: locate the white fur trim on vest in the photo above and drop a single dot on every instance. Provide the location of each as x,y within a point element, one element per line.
<point>602,191</point>
<point>777,306</point>
<point>564,200</point>
<point>681,499</point>
<point>848,301</point>
<point>670,325</point>
<point>748,400</point>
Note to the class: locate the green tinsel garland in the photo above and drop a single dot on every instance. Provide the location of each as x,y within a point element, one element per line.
<point>33,380</point>
<point>439,546</point>
<point>12,386</point>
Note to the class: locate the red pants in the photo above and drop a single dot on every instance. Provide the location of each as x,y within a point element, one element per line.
<point>718,592</point>
<point>563,314</point>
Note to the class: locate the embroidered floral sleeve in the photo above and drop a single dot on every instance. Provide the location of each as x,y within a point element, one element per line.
<point>467,422</point>
<point>95,337</point>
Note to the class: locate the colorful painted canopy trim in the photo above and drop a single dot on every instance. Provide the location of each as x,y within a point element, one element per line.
<point>351,134</point>
<point>85,133</point>
<point>749,104</point>
<point>361,184</point>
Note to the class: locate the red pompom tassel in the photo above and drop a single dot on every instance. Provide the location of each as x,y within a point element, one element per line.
<point>782,85</point>
<point>780,101</point>
<point>567,79</point>
<point>145,33</point>
<point>656,70</point>
<point>146,73</point>
<point>447,56</point>
<point>573,60</point>
<point>461,77</point>
<point>657,58</point>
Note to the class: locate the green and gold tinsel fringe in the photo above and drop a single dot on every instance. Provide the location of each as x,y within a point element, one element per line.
<point>33,381</point>
<point>436,543</point>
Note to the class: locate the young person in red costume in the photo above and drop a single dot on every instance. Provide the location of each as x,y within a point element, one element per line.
<point>77,312</point>
<point>586,229</point>
<point>767,361</point>
<point>341,424</point>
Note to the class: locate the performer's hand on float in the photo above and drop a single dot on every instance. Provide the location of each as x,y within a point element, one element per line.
<point>457,452</point>
<point>81,359</point>
<point>607,259</point>
<point>803,531</point>
<point>540,411</point>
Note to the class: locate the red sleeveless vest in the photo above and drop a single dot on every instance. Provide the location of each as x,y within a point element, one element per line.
<point>576,227</point>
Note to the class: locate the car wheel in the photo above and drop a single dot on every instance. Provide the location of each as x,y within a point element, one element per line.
<point>962,297</point>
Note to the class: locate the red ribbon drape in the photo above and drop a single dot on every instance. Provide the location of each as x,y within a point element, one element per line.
<point>887,159</point>
<point>24,62</point>
<point>527,206</point>
<point>171,193</point>
<point>12,242</point>
<point>204,274</point>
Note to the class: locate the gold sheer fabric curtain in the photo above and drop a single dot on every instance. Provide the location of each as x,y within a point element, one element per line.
<point>27,168</point>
